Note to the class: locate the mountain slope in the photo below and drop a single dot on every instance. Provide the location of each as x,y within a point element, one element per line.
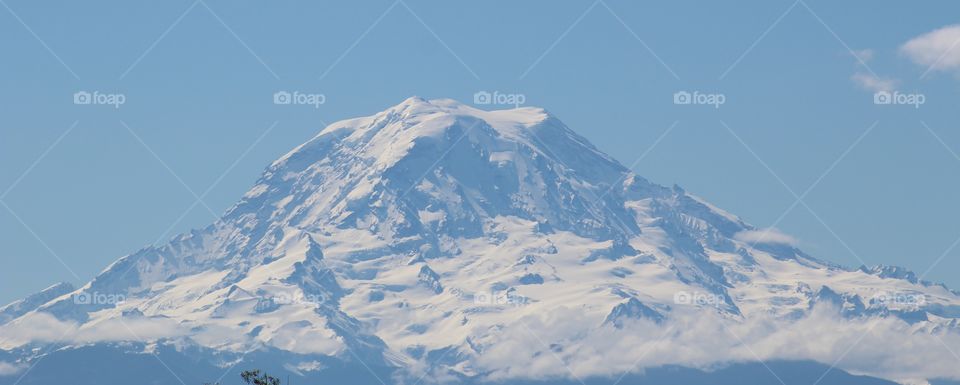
<point>434,240</point>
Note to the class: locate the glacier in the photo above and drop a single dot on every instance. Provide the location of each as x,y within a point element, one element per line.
<point>436,242</point>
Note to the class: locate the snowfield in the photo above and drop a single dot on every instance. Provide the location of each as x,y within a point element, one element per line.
<point>444,243</point>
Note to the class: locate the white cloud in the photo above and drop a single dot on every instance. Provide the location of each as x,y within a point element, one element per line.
<point>706,341</point>
<point>559,341</point>
<point>866,78</point>
<point>8,369</point>
<point>690,337</point>
<point>935,50</point>
<point>40,327</point>
<point>770,235</point>
<point>43,327</point>
<point>863,55</point>
<point>874,83</point>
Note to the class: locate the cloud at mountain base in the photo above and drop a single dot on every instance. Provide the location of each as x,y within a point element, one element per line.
<point>553,343</point>
<point>8,369</point>
<point>533,347</point>
<point>45,328</point>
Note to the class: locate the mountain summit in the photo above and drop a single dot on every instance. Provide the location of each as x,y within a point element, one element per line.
<point>435,241</point>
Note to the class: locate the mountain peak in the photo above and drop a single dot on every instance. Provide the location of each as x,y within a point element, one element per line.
<point>418,119</point>
<point>433,227</point>
<point>454,106</point>
<point>33,301</point>
<point>421,155</point>
<point>415,108</point>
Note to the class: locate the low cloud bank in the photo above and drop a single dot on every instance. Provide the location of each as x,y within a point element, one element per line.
<point>887,348</point>
<point>569,341</point>
<point>8,369</point>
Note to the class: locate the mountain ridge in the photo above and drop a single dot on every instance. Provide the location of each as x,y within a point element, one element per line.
<point>422,237</point>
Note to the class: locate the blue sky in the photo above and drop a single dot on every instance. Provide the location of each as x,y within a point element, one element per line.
<point>83,184</point>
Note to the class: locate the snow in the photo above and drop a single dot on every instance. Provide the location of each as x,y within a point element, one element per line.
<point>429,226</point>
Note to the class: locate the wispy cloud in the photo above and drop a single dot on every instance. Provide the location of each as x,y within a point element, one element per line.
<point>40,327</point>
<point>874,83</point>
<point>865,55</point>
<point>936,50</point>
<point>868,80</point>
<point>43,327</point>
<point>770,235</point>
<point>8,369</point>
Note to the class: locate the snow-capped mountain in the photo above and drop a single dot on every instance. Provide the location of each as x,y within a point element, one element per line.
<point>434,241</point>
